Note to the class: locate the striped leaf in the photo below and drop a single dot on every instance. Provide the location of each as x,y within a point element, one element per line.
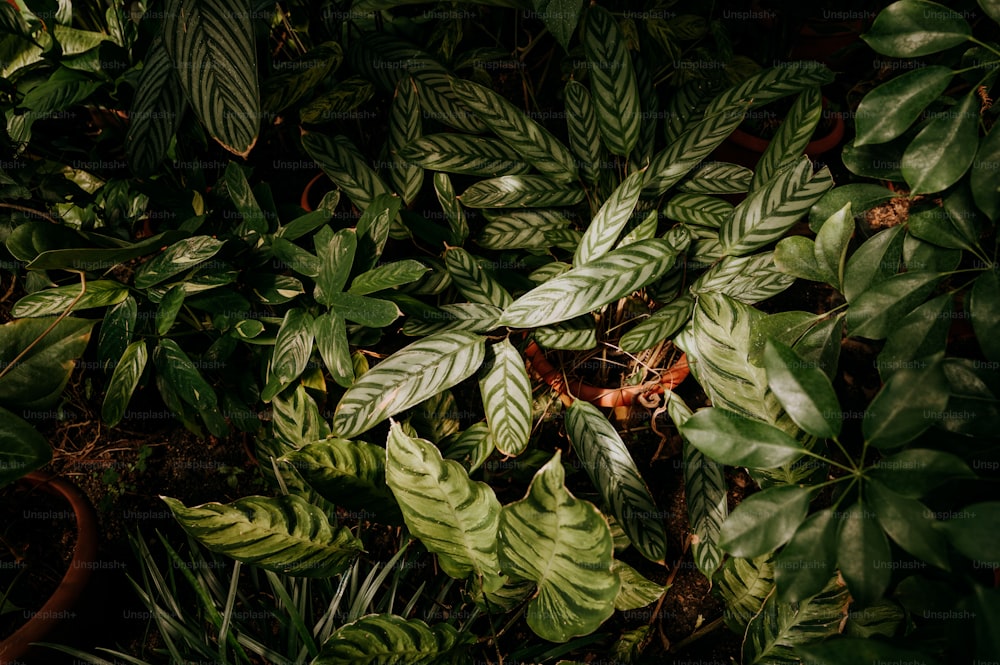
<point>387,276</point>
<point>525,136</point>
<point>407,378</point>
<point>386,639</point>
<point>770,211</point>
<point>474,283</point>
<point>371,312</point>
<point>467,155</point>
<point>300,77</point>
<point>749,279</point>
<point>577,334</point>
<point>292,349</point>
<point>686,106</point>
<point>338,103</point>
<point>336,252</point>
<point>174,366</point>
<point>212,48</point>
<point>613,471</point>
<point>564,545</point>
<point>156,111</point>
<point>771,84</point>
<point>99,293</point>
<point>612,82</point>
<point>644,229</point>
<point>717,178</point>
<point>691,148</point>
<point>523,191</point>
<point>744,585</point>
<point>454,517</point>
<point>123,382</point>
<point>774,635</point>
<point>374,228</point>
<point>636,591</point>
<point>436,418</point>
<point>705,495</point>
<point>521,229</point>
<point>330,331</point>
<point>699,209</point>
<point>404,128</point>
<point>581,123</point>
<point>340,161</point>
<point>606,226</point>
<point>453,211</point>
<point>592,285</point>
<point>116,331</point>
<point>470,448</point>
<point>548,271</point>
<point>650,113</point>
<point>295,418</point>
<point>471,317</point>
<point>506,393</point>
<point>567,239</point>
<point>663,323</point>
<point>178,257</point>
<point>286,534</point>
<point>792,136</point>
<point>350,474</point>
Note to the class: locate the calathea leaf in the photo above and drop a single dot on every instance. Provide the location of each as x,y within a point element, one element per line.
<point>744,585</point>
<point>660,325</point>
<point>521,229</point>
<point>156,111</point>
<point>178,257</point>
<point>581,122</point>
<point>636,591</point>
<point>124,380</point>
<point>748,279</point>
<point>384,639</point>
<point>472,281</point>
<point>452,208</point>
<point>506,392</point>
<point>771,84</point>
<point>603,231</point>
<point>404,128</point>
<point>341,162</point>
<point>292,349</point>
<point>717,178</point>
<point>526,191</point>
<point>174,366</point>
<point>468,155</point>
<point>698,209</point>
<point>612,81</point>
<point>792,136</point>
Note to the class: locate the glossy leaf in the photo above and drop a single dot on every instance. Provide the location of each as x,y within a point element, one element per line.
<point>705,494</point>
<point>22,448</point>
<point>116,331</point>
<point>717,178</point>
<point>612,81</point>
<point>336,252</point>
<point>174,366</point>
<point>506,393</point>
<point>889,110</point>
<point>581,124</point>
<point>748,279</point>
<point>292,349</point>
<point>863,554</point>
<point>744,585</point>
<point>983,177</point>
<point>873,262</point>
<point>921,333</point>
<point>168,309</point>
<point>912,28</point>
<point>803,389</point>
<point>984,310</point>
<point>525,191</point>
<point>386,639</point>
<point>387,276</point>
<point>832,241</point>
<point>735,440</point>
<point>796,256</point>
<point>467,155</point>
<point>764,521</point>
<point>370,312</point>
<point>916,471</point>
<point>876,312</point>
<point>861,196</point>
<point>339,160</point>
<point>906,406</point>
<point>473,282</point>
<point>37,379</point>
<point>177,258</point>
<point>805,564</point>
<point>99,293</point>
<point>909,523</point>
<point>944,149</point>
<point>975,532</point>
<point>604,229</point>
<point>330,332</point>
<point>156,111</point>
<point>123,382</point>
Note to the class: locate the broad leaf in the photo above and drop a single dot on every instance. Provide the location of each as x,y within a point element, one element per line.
<point>659,326</point>
<point>370,312</point>
<point>404,128</point>
<point>699,209</point>
<point>889,110</point>
<point>832,241</point>
<point>22,448</point>
<point>985,189</point>
<point>581,124</point>
<point>336,252</point>
<point>705,495</point>
<point>612,81</point>
<point>743,585</point>
<point>116,331</point>
<point>123,382</point>
<point>748,279</point>
<point>388,276</point>
<point>560,17</point>
<point>72,297</point>
<point>873,262</point>
<point>604,229</point>
<point>292,349</point>
<point>863,554</point>
<point>385,639</point>
<point>507,401</point>
<point>461,316</point>
<point>861,651</point>
<point>330,331</point>
<point>975,532</point>
<point>37,379</point>
<point>984,310</point>
<point>471,447</point>
<point>340,162</point>
<point>764,521</point>
<point>806,563</point>
<point>717,178</point>
<point>636,591</point>
<point>922,332</point>
<point>736,440</point>
<point>178,257</point>
<point>916,471</point>
<point>908,404</point>
<point>912,28</point>
<point>804,390</point>
<point>909,523</point>
<point>468,155</point>
<point>521,229</point>
<point>473,282</point>
<point>944,149</point>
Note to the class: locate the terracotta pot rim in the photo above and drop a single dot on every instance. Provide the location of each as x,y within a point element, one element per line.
<point>304,201</point>
<point>74,581</point>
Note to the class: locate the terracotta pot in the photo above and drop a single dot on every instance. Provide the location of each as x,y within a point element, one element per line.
<point>608,397</point>
<point>306,202</point>
<point>74,582</point>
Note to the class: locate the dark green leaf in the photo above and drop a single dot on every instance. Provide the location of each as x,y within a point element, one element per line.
<point>559,16</point>
<point>170,305</point>
<point>156,111</point>
<point>733,439</point>
<point>944,149</point>
<point>873,262</point>
<point>863,554</point>
<point>985,167</point>
<point>915,472</point>
<point>292,349</point>
<point>876,312</point>
<point>182,375</point>
<point>178,257</point>
<point>612,81</point>
<point>857,651</point>
<point>100,293</point>
<point>123,382</point>
<point>921,333</point>
<point>22,448</point>
<point>604,229</point>
<point>336,251</point>
<point>744,585</point>
<point>832,241</point>
<point>910,523</point>
<point>861,196</point>
<point>526,191</point>
<point>889,110</point>
<point>379,639</point>
<point>764,521</point>
<point>468,155</point>
<point>975,532</point>
<point>796,256</point>
<point>806,563</point>
<point>791,137</point>
<point>906,406</point>
<point>804,390</point>
<point>371,312</point>
<point>116,331</point>
<point>984,310</point>
<point>912,28</point>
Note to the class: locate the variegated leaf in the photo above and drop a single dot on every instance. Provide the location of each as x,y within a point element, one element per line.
<point>770,211</point>
<point>705,495</point>
<point>157,109</point>
<point>292,349</point>
<point>548,271</point>
<point>591,286</point>
<point>660,325</point>
<point>771,84</point>
<point>744,585</point>
<point>636,591</point>
<point>521,229</point>
<point>404,128</point>
<point>650,113</point>
<point>567,239</point>
<point>792,136</point>
<point>452,208</point>
<point>581,122</point>
<point>386,639</point>
<point>749,279</point>
<point>472,317</point>
<point>506,393</point>
<point>577,334</point>
<point>471,447</point>
<point>407,378</point>
<point>474,283</point>
<point>613,471</point>
<point>604,229</point>
<point>717,178</point>
<point>330,331</point>
<point>50,302</point>
<point>612,81</point>
<point>699,209</point>
<point>521,191</point>
<point>686,106</point>
<point>124,380</point>
<point>524,135</point>
<point>467,155</point>
<point>341,162</point>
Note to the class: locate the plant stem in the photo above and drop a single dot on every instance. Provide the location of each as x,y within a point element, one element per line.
<point>30,211</point>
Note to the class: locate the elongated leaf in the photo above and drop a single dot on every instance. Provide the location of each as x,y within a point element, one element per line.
<point>524,191</point>
<point>564,545</point>
<point>170,305</point>
<point>387,276</point>
<point>874,262</point>
<point>889,110</point>
<point>22,448</point>
<point>876,312</point>
<point>662,324</point>
<point>471,447</point>
<point>521,229</point>
<point>286,534</point>
<point>985,313</point>
<point>796,256</point>
<point>521,133</point>
<point>832,242</point>
<point>370,312</point>
<point>472,281</point>
<point>156,111</point>
<point>123,382</point>
<point>407,378</point>
<point>699,209</point>
<point>863,554</point>
<point>506,393</point>
<point>183,376</point>
<point>577,334</point>
<point>748,279</point>
<point>613,471</point>
<point>744,585</point>
<point>593,285</point>
<point>180,256</point>
<point>404,128</point>
<point>733,439</point>
<point>914,472</point>
<point>806,563</point>
<point>910,523</point>
<point>461,316</point>
<point>330,332</point>
<point>771,84</point>
<point>717,178</point>
<point>385,639</point>
<point>37,379</point>
<point>213,52</point>
<point>636,591</point>
<point>100,293</point>
<point>292,349</point>
<point>454,517</point>
<point>916,27</point>
<point>803,389</point>
<point>468,155</point>
<point>116,332</point>
<point>764,521</point>
<point>581,123</point>
<point>300,77</point>
<point>975,531</point>
<point>944,149</point>
<point>612,81</point>
<point>908,404</point>
<point>705,495</point>
<point>452,208</point>
<point>921,333</point>
<point>340,162</point>
<point>242,196</point>
<point>604,229</point>
<point>336,252</point>
<point>792,136</point>
<point>295,419</point>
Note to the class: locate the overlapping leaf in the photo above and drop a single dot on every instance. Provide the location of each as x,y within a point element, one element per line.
<point>792,136</point>
<point>467,155</point>
<point>473,282</point>
<point>506,393</point>
<point>156,111</point>
<point>521,229</point>
<point>340,162</point>
<point>581,123</point>
<point>522,191</point>
<point>123,382</point>
<point>385,639</point>
<point>404,128</point>
<point>603,231</point>
<point>612,82</point>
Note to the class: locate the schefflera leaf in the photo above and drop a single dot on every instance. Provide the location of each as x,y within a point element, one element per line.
<point>564,545</point>
<point>453,516</point>
<point>387,639</point>
<point>285,534</point>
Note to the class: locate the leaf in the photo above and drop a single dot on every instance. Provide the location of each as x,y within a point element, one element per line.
<point>743,585</point>
<point>916,471</point>
<point>861,196</point>
<point>769,212</point>
<point>168,309</point>
<point>906,406</point>
<point>292,349</point>
<point>975,532</point>
<point>525,136</point>
<point>636,591</point>
<point>178,257</point>
<point>373,229</point>
<point>286,534</point>
<point>876,312</point>
<point>559,16</point>
<point>521,229</point>
<point>471,447</point>
<point>914,28</point>
<point>832,242</point>
<point>863,554</point>
<point>507,401</point>
<point>663,323</point>
<point>123,382</point>
<point>451,207</point>
<point>467,155</point>
<point>707,509</point>
<point>944,149</point>
<point>909,523</point>
<point>922,332</point>
<point>525,191</point>
<point>182,376</point>
<point>985,313</point>
<point>37,379</point>
<point>604,229</point>
<point>578,334</point>
<point>300,77</point>
<point>613,471</point>
<point>806,562</point>
<point>581,125</point>
<point>388,276</point>
<point>764,521</point>
<point>771,84</point>
<point>612,81</point>
<point>791,137</point>
<point>461,316</point>
<point>804,390</point>
<point>699,209</point>
<point>985,190</point>
<point>407,378</point>
<point>367,311</point>
<point>563,545</point>
<point>888,111</point>
<point>591,286</point>
<point>338,103</point>
<point>295,418</point>
<point>735,440</point>
<point>339,160</point>
<point>99,293</point>
<point>242,196</point>
<point>873,262</point>
<point>213,52</point>
<point>336,252</point>
<point>748,279</point>
<point>385,639</point>
<point>117,329</point>
<point>717,178</point>
<point>472,281</point>
<point>156,111</point>
<point>22,448</point>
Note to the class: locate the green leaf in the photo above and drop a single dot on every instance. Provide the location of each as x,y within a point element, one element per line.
<point>832,241</point>
<point>748,279</point>
<point>944,149</point>
<point>174,366</point>
<point>242,196</point>
<point>717,178</point>
<point>117,329</point>
<point>804,390</point>
<point>769,212</point>
<point>636,591</point>
<point>592,285</point>
<point>764,521</point>
<point>796,256</point>
<point>612,81</point>
<point>771,84</point>
<point>99,293</point>
<point>699,209</point>
<point>170,305</point>
<point>921,333</point>
<point>214,55</point>
<point>388,276</point>
<point>525,191</point>
<point>912,28</point>
<point>156,111</point>
<point>338,103</point>
<point>559,16</point>
<point>705,494</point>
<point>805,564</point>
<point>296,420</point>
<point>906,406</point>
<point>984,310</point>
<point>407,378</point>
<point>461,316</point>
<point>525,136</point>
<point>975,532</point>
<point>743,585</point>
<point>472,281</point>
<point>385,639</point>
<point>22,448</point>
<point>579,334</point>
<point>910,524</point>
<point>336,252</point>
<point>861,196</point>
<point>581,125</point>
<point>286,534</point>
<point>876,312</point>
<point>370,312</point>
<point>916,471</point>
<point>863,554</point>
<point>123,382</point>
<point>454,517</point>
<point>178,257</point>
<point>521,229</point>
<point>659,326</point>
<point>330,331</point>
<point>873,262</point>
<point>471,447</point>
<point>735,440</point>
<point>451,207</point>
<point>889,110</point>
<point>858,651</point>
<point>373,229</point>
<point>506,393</point>
<point>792,136</point>
<point>467,155</point>
<point>564,545</point>
<point>37,379</point>
<point>292,349</point>
<point>611,468</point>
<point>339,160</point>
<point>604,229</point>
<point>301,76</point>
<point>985,189</point>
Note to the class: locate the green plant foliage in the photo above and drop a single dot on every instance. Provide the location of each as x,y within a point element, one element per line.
<point>506,391</point>
<point>22,448</point>
<point>386,639</point>
<point>636,591</point>
<point>604,230</point>
<point>50,348</point>
<point>744,585</point>
<point>612,82</point>
<point>123,382</point>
